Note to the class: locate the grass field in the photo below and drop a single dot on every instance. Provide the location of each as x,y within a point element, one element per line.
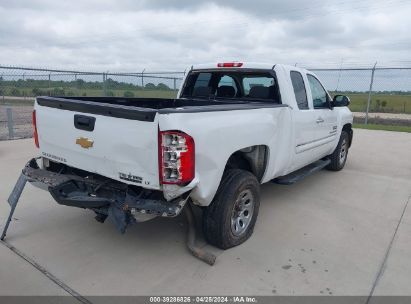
<point>118,93</point>
<point>91,92</point>
<point>381,103</point>
<point>388,103</point>
<point>383,127</point>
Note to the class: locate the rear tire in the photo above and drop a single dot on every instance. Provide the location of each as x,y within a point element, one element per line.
<point>339,156</point>
<point>230,219</point>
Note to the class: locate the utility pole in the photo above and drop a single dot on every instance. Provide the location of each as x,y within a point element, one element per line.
<point>369,93</point>
<point>4,91</point>
<point>104,85</point>
<point>10,124</point>
<point>339,75</point>
<point>142,79</point>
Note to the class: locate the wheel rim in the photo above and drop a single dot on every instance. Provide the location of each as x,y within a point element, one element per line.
<point>242,212</point>
<point>343,151</point>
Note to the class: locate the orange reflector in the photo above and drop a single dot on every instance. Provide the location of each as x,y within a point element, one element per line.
<point>35,133</point>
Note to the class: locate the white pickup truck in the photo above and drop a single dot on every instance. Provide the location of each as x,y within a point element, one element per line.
<point>232,127</point>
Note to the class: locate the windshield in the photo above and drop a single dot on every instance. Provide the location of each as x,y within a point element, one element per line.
<point>238,85</point>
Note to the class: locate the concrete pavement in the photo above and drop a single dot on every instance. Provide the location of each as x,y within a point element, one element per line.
<point>332,233</point>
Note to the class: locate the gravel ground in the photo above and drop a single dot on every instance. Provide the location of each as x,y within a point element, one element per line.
<point>21,121</point>
<point>401,116</point>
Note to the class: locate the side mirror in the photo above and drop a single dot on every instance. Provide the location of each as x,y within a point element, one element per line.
<point>341,101</point>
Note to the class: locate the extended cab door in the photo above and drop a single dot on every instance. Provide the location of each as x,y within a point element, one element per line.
<point>325,118</point>
<point>305,127</point>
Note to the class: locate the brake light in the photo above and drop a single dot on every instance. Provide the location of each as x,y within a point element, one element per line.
<point>230,65</point>
<point>35,134</point>
<point>176,157</point>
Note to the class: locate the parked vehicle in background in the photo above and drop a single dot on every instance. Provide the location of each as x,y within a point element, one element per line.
<point>232,127</point>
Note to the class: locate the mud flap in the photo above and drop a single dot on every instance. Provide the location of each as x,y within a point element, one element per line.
<point>120,218</point>
<point>13,200</point>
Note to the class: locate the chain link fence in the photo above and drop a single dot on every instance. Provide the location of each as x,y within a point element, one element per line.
<point>378,95</point>
<point>385,92</point>
<point>19,86</point>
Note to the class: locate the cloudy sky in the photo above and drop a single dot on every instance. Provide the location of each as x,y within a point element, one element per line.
<point>130,35</point>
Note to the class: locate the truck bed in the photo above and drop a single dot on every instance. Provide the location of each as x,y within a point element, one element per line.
<point>145,109</point>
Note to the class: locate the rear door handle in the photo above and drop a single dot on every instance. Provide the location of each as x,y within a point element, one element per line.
<point>83,122</point>
<point>319,120</point>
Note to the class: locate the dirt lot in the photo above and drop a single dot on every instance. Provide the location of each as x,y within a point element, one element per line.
<point>344,233</point>
<point>385,115</point>
<point>398,119</point>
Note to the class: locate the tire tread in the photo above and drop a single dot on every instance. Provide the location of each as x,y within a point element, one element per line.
<point>215,214</point>
<point>334,157</point>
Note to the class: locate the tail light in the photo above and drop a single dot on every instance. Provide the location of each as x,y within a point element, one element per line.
<point>230,65</point>
<point>35,134</point>
<point>176,157</point>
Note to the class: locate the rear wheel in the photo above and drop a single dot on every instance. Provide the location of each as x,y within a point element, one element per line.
<point>339,156</point>
<point>230,218</point>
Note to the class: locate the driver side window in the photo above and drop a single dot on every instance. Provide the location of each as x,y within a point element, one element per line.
<point>320,96</point>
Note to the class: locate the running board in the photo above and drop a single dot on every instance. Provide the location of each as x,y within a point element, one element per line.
<point>298,175</point>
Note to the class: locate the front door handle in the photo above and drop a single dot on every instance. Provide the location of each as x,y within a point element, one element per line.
<point>319,120</point>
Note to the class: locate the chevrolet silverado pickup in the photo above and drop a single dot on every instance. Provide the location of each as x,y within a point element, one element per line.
<point>232,127</point>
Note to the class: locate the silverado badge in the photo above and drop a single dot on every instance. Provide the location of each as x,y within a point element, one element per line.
<point>84,142</point>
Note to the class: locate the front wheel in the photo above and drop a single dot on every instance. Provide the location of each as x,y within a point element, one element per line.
<point>229,220</point>
<point>339,156</point>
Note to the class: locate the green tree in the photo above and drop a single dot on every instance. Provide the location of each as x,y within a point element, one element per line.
<point>80,83</point>
<point>38,92</point>
<point>58,92</point>
<point>15,92</point>
<point>163,87</point>
<point>150,86</point>
<point>128,94</point>
<point>377,105</point>
<point>110,94</point>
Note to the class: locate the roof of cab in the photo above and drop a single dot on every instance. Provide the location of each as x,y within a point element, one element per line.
<point>247,65</point>
<point>244,65</point>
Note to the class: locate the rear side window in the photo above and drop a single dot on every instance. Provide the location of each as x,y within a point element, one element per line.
<point>299,90</point>
<point>256,81</point>
<point>202,80</point>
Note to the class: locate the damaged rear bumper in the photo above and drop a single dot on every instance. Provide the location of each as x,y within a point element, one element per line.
<point>105,196</point>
